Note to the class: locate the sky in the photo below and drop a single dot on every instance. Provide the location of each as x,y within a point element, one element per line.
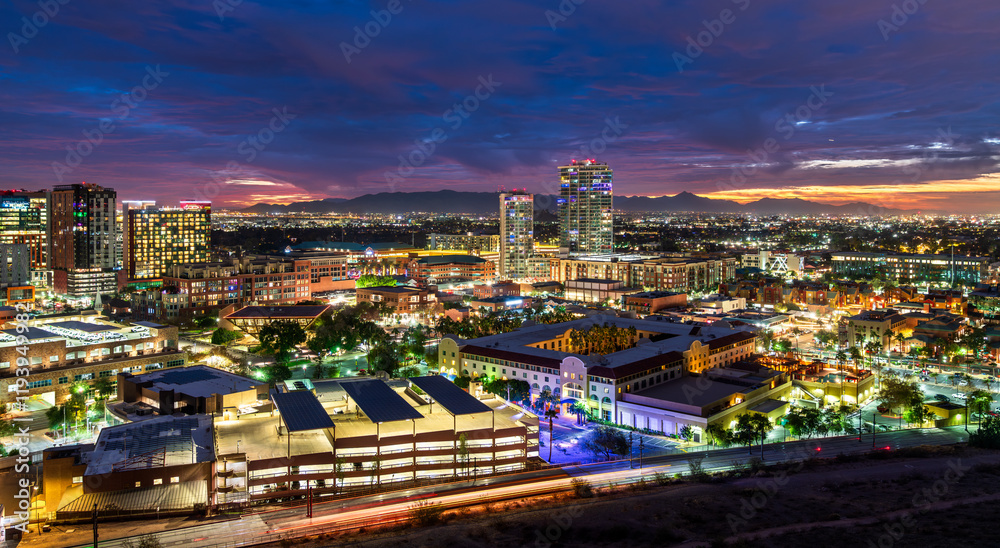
<point>890,102</point>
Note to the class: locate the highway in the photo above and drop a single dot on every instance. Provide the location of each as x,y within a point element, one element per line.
<point>393,507</point>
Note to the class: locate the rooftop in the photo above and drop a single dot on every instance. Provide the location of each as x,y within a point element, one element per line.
<point>199,381</point>
<point>450,259</point>
<point>153,443</point>
<point>278,312</point>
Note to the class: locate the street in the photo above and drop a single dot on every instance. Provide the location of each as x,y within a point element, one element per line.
<point>393,507</point>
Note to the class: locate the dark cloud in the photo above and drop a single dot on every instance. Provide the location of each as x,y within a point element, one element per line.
<point>607,60</point>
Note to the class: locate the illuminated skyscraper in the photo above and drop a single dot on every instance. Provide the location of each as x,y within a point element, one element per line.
<point>517,233</point>
<point>24,219</point>
<point>585,208</point>
<point>83,229</point>
<point>157,237</point>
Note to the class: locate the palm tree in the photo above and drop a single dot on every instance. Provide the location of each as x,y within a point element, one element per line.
<point>550,413</point>
<point>841,358</point>
<point>900,338</point>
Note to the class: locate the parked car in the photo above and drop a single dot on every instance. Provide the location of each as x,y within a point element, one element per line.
<point>959,395</point>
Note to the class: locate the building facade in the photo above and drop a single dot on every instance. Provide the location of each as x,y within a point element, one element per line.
<point>403,300</point>
<point>193,290</point>
<point>156,238</point>
<point>84,233</point>
<point>679,274</point>
<point>901,268</point>
<point>475,244</point>
<point>450,269</point>
<point>78,349</point>
<point>585,208</point>
<point>517,233</point>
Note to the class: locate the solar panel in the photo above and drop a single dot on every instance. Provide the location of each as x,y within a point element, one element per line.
<point>449,396</point>
<point>83,326</point>
<point>301,411</point>
<point>32,333</point>
<point>379,402</point>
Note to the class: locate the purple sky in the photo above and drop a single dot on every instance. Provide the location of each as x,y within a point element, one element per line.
<point>908,117</point>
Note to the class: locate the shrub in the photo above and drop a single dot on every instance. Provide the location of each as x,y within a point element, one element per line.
<point>581,488</point>
<point>426,513</point>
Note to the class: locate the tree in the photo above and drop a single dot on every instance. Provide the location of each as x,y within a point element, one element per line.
<point>750,426</point>
<point>384,357</point>
<point>105,388</point>
<point>372,280</point>
<point>550,414</point>
<point>898,394</point>
<point>280,337</point>
<point>987,436</point>
<point>686,433</point>
<point>223,336</point>
<point>463,451</point>
<point>606,441</point>
<point>206,321</point>
<point>338,472</point>
<point>803,422</point>
<point>720,436</point>
<point>277,373</point>
<point>979,401</point>
<point>765,339</point>
<point>376,470</point>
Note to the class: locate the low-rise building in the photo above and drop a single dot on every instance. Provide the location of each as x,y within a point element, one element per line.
<point>198,389</point>
<point>545,357</point>
<point>250,319</point>
<point>880,325</point>
<point>403,300</point>
<point>904,268</point>
<point>648,302</point>
<point>505,288</point>
<point>593,290</point>
<point>494,304</point>
<point>451,269</point>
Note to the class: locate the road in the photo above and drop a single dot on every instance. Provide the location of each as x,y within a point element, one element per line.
<point>394,507</point>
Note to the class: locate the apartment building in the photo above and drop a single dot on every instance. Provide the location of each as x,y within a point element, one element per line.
<point>451,269</point>
<point>903,268</point>
<point>880,325</point>
<point>402,299</point>
<point>193,290</point>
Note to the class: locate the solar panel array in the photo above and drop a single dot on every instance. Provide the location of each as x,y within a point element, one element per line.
<point>183,376</point>
<point>147,437</point>
<point>379,402</point>
<point>301,411</point>
<point>449,396</point>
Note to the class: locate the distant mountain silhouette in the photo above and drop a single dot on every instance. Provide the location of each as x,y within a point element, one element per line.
<point>479,203</point>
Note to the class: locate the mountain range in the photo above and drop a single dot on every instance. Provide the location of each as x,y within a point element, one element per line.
<point>485,203</point>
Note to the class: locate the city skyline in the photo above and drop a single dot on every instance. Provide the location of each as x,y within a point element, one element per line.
<point>853,103</point>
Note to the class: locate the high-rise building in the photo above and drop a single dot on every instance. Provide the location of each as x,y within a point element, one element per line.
<point>585,208</point>
<point>83,230</point>
<point>157,237</point>
<point>24,219</point>
<point>517,233</point>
